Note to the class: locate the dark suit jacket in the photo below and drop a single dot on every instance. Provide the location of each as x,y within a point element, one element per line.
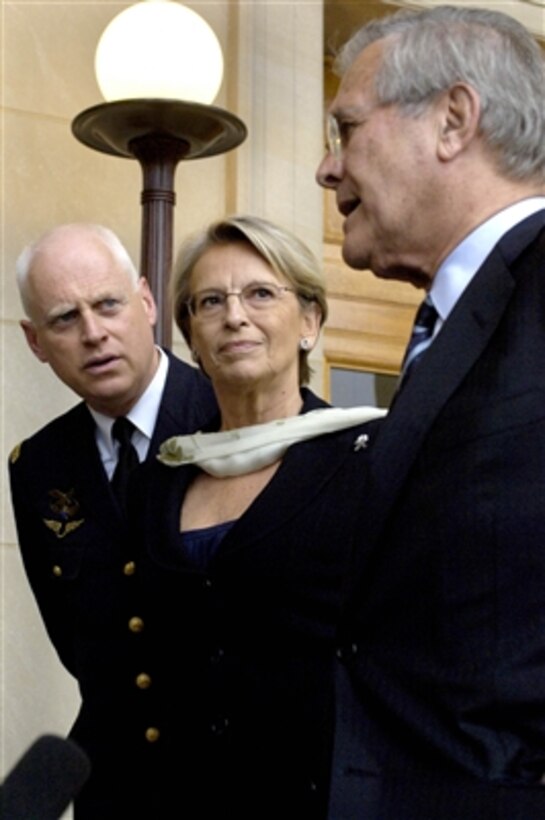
<point>240,655</point>
<point>71,535</point>
<point>441,678</point>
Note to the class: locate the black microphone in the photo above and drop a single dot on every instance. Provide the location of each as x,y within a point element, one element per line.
<point>44,780</point>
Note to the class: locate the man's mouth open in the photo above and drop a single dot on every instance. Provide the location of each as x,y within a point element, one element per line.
<point>347,206</point>
<point>100,363</point>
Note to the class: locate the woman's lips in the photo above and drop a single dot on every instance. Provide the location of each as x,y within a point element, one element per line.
<point>239,347</point>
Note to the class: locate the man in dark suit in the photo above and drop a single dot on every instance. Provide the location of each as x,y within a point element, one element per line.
<point>437,157</point>
<point>90,317</point>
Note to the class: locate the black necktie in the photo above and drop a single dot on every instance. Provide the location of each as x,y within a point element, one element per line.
<point>421,337</point>
<point>127,459</point>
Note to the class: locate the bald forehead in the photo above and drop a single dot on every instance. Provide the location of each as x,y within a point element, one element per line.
<point>71,242</point>
<point>69,266</point>
<point>76,250</point>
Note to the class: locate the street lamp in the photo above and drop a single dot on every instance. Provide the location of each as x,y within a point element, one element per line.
<point>159,65</point>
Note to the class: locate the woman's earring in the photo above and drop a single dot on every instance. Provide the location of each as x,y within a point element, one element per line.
<point>304,344</point>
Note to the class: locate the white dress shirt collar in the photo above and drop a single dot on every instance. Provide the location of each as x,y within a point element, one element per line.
<point>459,268</point>
<point>143,415</point>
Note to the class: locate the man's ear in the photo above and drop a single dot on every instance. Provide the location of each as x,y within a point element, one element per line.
<point>32,339</point>
<point>460,110</point>
<point>147,300</point>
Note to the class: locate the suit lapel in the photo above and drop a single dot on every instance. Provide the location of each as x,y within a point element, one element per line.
<point>459,345</point>
<point>161,516</point>
<point>307,468</point>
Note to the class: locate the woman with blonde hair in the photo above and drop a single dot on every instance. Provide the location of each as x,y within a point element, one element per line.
<point>241,536</point>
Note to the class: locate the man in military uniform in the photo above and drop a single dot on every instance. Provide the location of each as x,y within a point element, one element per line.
<point>90,317</point>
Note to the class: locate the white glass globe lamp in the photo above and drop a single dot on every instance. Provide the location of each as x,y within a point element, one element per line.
<point>159,49</point>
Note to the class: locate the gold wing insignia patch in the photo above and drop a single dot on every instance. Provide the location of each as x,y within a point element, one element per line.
<point>61,528</point>
<point>66,507</point>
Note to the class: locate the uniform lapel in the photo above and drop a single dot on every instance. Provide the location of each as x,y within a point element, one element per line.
<point>88,473</point>
<point>185,403</point>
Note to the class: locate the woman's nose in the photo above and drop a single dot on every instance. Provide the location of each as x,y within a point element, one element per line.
<point>235,312</point>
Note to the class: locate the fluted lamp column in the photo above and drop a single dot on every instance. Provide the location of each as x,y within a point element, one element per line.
<point>159,65</point>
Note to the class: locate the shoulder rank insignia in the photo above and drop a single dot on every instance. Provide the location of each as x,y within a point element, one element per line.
<point>66,507</point>
<point>15,453</point>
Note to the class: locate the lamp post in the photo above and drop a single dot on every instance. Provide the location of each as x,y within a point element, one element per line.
<point>158,112</point>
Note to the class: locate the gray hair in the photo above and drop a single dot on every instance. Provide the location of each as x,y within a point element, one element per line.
<point>28,255</point>
<point>429,51</point>
<point>285,253</point>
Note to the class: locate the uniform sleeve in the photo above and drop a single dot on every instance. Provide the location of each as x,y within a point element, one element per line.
<point>38,562</point>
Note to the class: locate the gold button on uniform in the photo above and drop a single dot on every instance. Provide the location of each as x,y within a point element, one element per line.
<point>129,568</point>
<point>152,734</point>
<point>143,681</point>
<point>57,571</point>
<point>136,624</point>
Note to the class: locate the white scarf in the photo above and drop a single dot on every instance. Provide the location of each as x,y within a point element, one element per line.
<point>247,449</point>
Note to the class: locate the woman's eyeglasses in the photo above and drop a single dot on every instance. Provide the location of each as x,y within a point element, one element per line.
<point>207,304</point>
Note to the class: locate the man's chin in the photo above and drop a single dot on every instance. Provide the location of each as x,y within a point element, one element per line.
<point>112,397</point>
<point>354,257</point>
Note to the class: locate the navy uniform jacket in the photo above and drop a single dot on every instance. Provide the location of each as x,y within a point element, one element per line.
<point>72,536</point>
<point>239,656</point>
<point>441,677</point>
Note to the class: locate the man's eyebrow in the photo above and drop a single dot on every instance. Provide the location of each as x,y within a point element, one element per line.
<point>353,112</point>
<point>115,295</point>
<point>345,110</point>
<point>58,311</point>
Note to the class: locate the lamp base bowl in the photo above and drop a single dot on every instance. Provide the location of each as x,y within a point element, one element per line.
<point>205,129</point>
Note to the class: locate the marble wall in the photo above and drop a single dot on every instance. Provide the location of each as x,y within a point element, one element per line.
<point>273,81</point>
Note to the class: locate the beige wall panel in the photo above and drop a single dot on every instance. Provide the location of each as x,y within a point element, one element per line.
<point>361,351</point>
<point>370,318</point>
<point>342,280</point>
<point>52,178</point>
<point>376,319</point>
<point>280,88</point>
<point>49,54</point>
<point>43,696</point>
